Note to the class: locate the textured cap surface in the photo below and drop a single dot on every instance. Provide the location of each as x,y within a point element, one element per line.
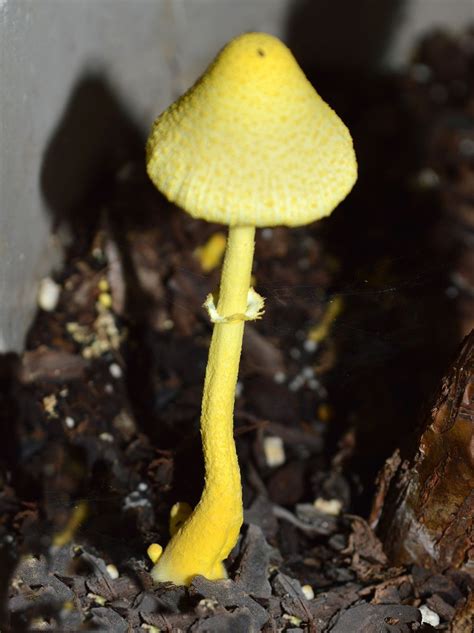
<point>252,142</point>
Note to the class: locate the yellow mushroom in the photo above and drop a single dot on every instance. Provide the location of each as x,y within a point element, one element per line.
<point>210,255</point>
<point>251,144</point>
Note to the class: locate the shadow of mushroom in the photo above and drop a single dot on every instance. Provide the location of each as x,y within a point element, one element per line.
<point>92,178</point>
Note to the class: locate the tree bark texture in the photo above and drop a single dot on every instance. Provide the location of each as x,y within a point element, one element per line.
<point>424,508</point>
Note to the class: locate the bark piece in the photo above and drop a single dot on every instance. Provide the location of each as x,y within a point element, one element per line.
<point>51,365</point>
<point>228,594</point>
<point>240,621</point>
<point>424,510</point>
<point>252,572</point>
<point>375,618</point>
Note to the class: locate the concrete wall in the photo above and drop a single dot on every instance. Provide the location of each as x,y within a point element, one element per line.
<point>137,55</point>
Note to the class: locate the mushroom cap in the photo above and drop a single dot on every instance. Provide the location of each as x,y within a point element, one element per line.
<point>252,142</point>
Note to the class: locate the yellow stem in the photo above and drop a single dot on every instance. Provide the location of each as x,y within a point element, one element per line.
<point>207,537</point>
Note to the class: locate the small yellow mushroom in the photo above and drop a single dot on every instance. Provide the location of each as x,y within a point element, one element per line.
<point>77,518</point>
<point>105,300</point>
<point>319,332</point>
<point>251,144</point>
<point>210,255</point>
<point>154,552</point>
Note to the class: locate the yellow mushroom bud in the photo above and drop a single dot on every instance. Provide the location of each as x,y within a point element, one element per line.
<point>251,144</point>
<point>154,552</point>
<point>210,255</point>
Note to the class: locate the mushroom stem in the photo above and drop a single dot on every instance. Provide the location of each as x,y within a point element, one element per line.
<point>206,538</point>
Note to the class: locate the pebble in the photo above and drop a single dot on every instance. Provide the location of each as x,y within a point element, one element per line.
<point>274,450</point>
<point>308,592</point>
<point>428,616</point>
<point>48,294</point>
<point>112,571</point>
<point>116,370</point>
<point>40,624</point>
<point>100,600</point>
<point>106,437</point>
<point>310,346</point>
<point>135,500</point>
<point>328,506</point>
<point>70,422</point>
<point>279,377</point>
<point>49,404</point>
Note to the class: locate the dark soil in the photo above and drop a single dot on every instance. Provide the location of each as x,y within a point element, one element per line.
<point>100,416</point>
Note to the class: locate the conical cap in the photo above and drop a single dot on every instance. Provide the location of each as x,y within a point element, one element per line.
<point>252,142</point>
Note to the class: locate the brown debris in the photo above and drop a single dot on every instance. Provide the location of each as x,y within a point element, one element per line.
<point>428,505</point>
<point>260,354</point>
<point>50,365</point>
<point>371,618</point>
<point>463,621</point>
<point>365,549</point>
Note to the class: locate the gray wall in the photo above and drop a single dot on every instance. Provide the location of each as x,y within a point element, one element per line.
<point>142,53</point>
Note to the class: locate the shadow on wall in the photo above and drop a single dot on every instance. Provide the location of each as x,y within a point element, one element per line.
<point>342,34</point>
<point>93,140</point>
<point>93,175</point>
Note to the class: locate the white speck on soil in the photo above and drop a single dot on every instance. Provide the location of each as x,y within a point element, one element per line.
<point>274,451</point>
<point>310,346</point>
<point>112,571</point>
<point>70,422</point>
<point>428,616</point>
<point>328,506</point>
<point>239,387</point>
<point>279,377</point>
<point>115,370</point>
<point>48,294</point>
